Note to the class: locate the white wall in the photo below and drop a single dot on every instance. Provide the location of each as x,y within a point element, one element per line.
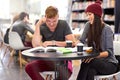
<point>62,6</point>
<point>4,9</point>
<point>17,6</point>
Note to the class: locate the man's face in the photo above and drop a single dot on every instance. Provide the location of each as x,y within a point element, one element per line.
<point>52,22</point>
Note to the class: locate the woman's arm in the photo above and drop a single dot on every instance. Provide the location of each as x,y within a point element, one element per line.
<point>107,41</point>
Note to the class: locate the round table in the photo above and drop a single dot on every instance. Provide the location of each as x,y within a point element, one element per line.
<point>55,56</point>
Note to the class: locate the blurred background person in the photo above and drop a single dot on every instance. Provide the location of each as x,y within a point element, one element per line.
<point>22,26</point>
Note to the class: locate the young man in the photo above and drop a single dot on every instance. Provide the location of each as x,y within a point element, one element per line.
<point>50,31</point>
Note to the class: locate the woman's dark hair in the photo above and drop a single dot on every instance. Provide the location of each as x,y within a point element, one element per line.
<point>95,32</point>
<point>23,14</point>
<point>15,18</point>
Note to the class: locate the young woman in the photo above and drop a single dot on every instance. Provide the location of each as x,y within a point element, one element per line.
<point>100,36</point>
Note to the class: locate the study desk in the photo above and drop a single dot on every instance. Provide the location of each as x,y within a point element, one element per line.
<point>54,56</point>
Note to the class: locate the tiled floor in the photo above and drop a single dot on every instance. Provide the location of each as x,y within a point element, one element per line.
<point>13,72</point>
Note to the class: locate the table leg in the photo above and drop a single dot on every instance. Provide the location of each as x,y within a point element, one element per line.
<point>63,68</point>
<point>56,70</point>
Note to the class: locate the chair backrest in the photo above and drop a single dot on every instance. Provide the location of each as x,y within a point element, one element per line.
<point>6,39</point>
<point>116,45</point>
<point>15,41</point>
<point>1,35</point>
<point>117,51</point>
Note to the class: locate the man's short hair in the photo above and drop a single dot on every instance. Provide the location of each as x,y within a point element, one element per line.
<point>23,14</point>
<point>51,12</point>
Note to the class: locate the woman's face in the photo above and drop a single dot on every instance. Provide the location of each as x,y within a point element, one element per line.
<point>90,17</point>
<point>26,19</point>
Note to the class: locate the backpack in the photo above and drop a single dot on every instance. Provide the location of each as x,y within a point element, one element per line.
<point>6,39</point>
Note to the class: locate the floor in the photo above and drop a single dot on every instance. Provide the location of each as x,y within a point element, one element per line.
<point>13,72</point>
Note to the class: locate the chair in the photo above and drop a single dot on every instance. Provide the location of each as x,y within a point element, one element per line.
<point>48,75</point>
<point>16,43</point>
<point>5,43</point>
<point>2,43</point>
<point>116,45</point>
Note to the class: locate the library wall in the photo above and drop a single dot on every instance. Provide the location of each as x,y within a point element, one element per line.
<point>79,17</point>
<point>117,16</point>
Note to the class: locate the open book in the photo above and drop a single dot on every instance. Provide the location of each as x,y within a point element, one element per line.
<point>43,49</point>
<point>61,50</point>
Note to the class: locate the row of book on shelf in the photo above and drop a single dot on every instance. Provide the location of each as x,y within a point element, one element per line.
<point>82,16</point>
<point>82,5</point>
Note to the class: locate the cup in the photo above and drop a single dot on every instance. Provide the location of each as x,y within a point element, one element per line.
<point>68,43</point>
<point>80,48</point>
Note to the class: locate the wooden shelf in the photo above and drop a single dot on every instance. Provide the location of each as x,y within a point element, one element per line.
<point>78,20</point>
<point>109,11</point>
<point>109,22</point>
<point>80,10</point>
<point>83,0</point>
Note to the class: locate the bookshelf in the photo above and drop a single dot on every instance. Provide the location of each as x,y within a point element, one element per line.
<point>79,17</point>
<point>117,16</point>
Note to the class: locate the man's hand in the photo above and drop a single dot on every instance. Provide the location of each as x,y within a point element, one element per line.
<point>41,21</point>
<point>47,43</point>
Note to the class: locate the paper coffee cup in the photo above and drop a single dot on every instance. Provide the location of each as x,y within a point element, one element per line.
<point>80,48</point>
<point>68,43</point>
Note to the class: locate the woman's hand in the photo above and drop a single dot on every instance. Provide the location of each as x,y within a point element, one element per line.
<point>87,60</point>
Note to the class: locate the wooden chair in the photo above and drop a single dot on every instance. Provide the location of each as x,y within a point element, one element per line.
<point>2,43</point>
<point>16,43</point>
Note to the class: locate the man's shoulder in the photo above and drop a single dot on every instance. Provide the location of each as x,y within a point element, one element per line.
<point>61,21</point>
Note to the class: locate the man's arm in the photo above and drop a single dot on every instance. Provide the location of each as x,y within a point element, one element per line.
<point>37,38</point>
<point>72,38</point>
<point>60,43</point>
<point>67,37</point>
